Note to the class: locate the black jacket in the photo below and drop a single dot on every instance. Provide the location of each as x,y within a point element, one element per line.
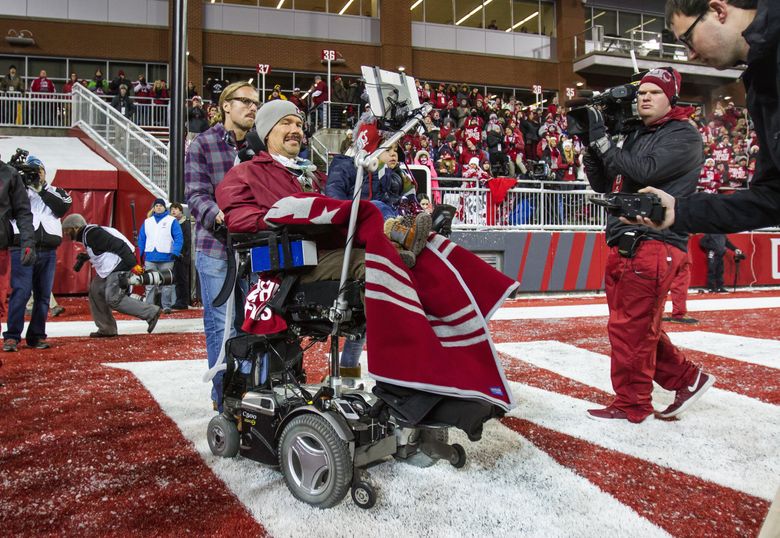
<point>101,241</point>
<point>668,157</point>
<point>126,102</point>
<point>760,205</point>
<point>14,204</point>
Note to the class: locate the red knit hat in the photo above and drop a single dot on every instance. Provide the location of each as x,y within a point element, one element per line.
<point>666,78</point>
<point>368,138</point>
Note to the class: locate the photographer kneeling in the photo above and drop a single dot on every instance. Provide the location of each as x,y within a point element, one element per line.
<point>665,152</point>
<point>111,254</point>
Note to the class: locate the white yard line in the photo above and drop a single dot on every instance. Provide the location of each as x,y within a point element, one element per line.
<point>598,310</point>
<point>508,488</point>
<point>761,351</point>
<point>83,328</point>
<point>726,438</point>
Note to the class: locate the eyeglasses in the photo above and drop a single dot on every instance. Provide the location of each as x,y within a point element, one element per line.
<point>685,37</point>
<point>246,101</point>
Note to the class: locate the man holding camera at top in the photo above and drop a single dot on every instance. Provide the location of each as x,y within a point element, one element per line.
<point>664,151</point>
<point>32,268</point>
<point>111,254</point>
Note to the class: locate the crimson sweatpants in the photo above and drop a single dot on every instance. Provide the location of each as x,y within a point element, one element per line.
<point>641,352</point>
<point>679,290</point>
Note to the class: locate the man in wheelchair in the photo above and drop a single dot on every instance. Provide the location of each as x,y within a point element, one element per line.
<point>429,349</point>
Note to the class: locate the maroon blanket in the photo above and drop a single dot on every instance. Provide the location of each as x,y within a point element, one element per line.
<point>427,326</point>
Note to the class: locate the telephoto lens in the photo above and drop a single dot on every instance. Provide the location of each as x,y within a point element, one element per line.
<point>156,278</point>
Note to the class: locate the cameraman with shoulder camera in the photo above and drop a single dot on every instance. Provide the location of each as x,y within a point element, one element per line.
<point>665,151</point>
<point>14,206</point>
<point>32,268</point>
<point>111,254</point>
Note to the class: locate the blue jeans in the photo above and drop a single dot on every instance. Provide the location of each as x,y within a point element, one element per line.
<point>36,279</point>
<point>211,272</point>
<point>168,292</point>
<point>350,355</point>
<point>388,211</point>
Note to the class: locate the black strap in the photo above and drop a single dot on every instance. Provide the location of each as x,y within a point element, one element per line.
<point>276,303</point>
<point>230,278</point>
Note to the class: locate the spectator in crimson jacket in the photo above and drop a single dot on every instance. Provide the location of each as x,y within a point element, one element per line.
<point>208,159</point>
<point>666,150</point>
<point>72,81</point>
<point>295,99</point>
<point>42,84</point>
<point>319,94</point>
<point>142,90</point>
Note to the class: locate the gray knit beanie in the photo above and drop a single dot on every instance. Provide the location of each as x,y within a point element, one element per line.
<point>74,220</point>
<point>271,113</point>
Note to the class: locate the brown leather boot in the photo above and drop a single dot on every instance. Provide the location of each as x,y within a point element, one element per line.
<point>350,371</point>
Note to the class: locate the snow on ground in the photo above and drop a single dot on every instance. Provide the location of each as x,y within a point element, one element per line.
<point>505,475</point>
<point>708,429</point>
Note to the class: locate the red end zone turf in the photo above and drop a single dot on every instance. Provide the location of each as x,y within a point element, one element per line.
<point>86,450</point>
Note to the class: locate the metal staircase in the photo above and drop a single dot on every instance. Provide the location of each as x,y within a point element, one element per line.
<point>141,153</point>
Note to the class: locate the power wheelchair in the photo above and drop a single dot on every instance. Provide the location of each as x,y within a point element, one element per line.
<point>322,436</point>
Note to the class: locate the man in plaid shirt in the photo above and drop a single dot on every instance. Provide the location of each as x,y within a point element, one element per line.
<point>209,158</point>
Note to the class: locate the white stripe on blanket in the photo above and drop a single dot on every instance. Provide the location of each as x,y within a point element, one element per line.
<point>378,277</point>
<point>389,265</point>
<point>455,315</point>
<point>464,343</point>
<point>435,242</point>
<point>380,296</point>
<point>467,327</point>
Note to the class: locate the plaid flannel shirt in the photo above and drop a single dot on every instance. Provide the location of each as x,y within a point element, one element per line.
<point>208,160</point>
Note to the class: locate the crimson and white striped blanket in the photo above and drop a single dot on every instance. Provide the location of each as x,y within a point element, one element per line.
<point>427,326</point>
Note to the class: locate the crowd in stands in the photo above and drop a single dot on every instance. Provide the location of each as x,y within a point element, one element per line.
<point>507,137</point>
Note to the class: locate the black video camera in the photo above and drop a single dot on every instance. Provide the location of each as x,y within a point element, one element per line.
<point>31,175</point>
<point>81,259</point>
<point>616,105</point>
<point>632,205</point>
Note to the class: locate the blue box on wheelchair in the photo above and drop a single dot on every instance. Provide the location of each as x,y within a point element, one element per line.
<point>303,254</point>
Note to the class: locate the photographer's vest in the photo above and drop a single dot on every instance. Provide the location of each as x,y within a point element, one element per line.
<point>106,262</point>
<point>158,234</point>
<point>43,216</point>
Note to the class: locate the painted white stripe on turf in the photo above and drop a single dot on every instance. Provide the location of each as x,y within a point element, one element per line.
<point>761,351</point>
<point>598,310</point>
<point>725,437</point>
<point>508,487</point>
<point>57,329</point>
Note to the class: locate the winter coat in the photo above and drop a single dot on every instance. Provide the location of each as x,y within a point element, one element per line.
<point>668,157</point>
<point>251,188</point>
<point>14,205</point>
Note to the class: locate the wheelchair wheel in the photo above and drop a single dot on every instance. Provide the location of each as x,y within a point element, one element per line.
<point>364,495</point>
<point>223,437</point>
<point>458,459</point>
<point>315,462</point>
<point>420,458</point>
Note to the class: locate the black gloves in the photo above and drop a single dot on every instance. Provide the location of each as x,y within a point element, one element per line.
<point>28,256</point>
<point>596,128</point>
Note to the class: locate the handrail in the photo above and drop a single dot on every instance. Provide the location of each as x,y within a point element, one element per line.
<point>144,156</point>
